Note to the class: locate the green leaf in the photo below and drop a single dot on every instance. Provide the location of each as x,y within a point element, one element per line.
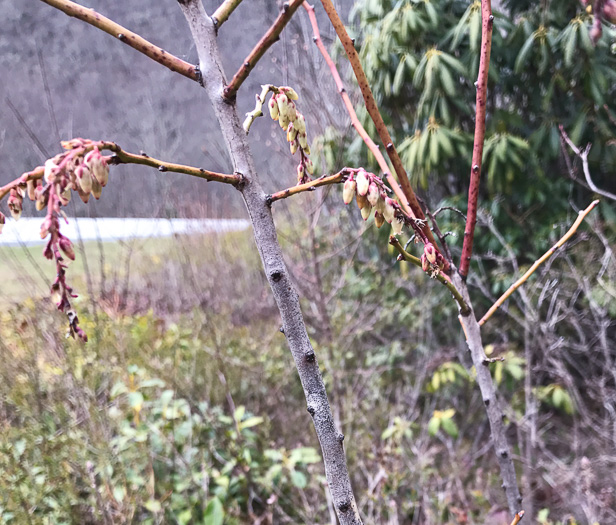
<point>153,506</point>
<point>299,479</point>
<point>399,76</point>
<point>433,426</point>
<point>135,400</point>
<point>450,427</point>
<point>251,422</point>
<point>570,44</point>
<point>520,62</point>
<point>214,513</point>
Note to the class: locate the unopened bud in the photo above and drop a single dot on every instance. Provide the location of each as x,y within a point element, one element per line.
<point>290,92</point>
<point>41,198</point>
<point>98,166</point>
<point>300,123</point>
<point>397,224</point>
<point>362,201</point>
<point>292,112</point>
<point>430,252</point>
<point>31,186</point>
<point>309,166</point>
<point>348,191</point>
<point>97,189</point>
<point>85,197</point>
<point>283,105</point>
<point>293,145</point>
<point>306,150</point>
<point>15,204</point>
<point>84,178</point>
<point>303,140</point>
<point>64,196</point>
<point>373,194</point>
<point>301,173</point>
<point>283,120</point>
<point>67,247</point>
<point>51,170</point>
<point>273,109</point>
<point>45,227</point>
<point>291,132</point>
<point>366,211</point>
<point>379,220</point>
<point>425,265</point>
<point>363,183</point>
<point>389,211</point>
<point>2,221</point>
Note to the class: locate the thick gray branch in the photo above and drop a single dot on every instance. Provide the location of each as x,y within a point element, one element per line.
<point>472,331</point>
<point>204,35</point>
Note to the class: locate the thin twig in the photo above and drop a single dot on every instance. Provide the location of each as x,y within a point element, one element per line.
<point>517,518</point>
<point>270,37</point>
<point>583,154</point>
<point>128,37</point>
<point>442,278</point>
<point>224,11</point>
<point>309,186</point>
<point>480,132</point>
<point>373,111</point>
<point>538,262</point>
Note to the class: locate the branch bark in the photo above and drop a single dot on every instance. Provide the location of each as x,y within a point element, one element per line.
<point>331,440</point>
<point>375,115</point>
<point>472,332</point>
<point>272,35</point>
<point>487,22</point>
<point>224,11</point>
<point>124,35</point>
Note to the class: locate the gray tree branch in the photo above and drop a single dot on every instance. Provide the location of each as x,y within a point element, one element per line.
<point>331,440</point>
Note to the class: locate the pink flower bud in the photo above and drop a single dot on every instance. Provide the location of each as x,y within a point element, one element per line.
<point>379,220</point>
<point>51,171</point>
<point>430,252</point>
<point>97,189</point>
<point>397,224</point>
<point>366,211</point>
<point>31,189</point>
<point>2,221</point>
<point>425,265</point>
<point>273,109</point>
<point>67,247</point>
<point>390,211</point>
<point>98,166</point>
<point>362,201</point>
<point>45,227</point>
<point>15,204</point>
<point>84,177</point>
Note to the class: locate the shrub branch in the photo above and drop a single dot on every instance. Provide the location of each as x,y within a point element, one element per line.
<point>487,22</point>
<point>128,37</point>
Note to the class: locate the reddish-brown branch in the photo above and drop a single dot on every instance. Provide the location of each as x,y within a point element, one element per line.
<point>124,35</point>
<point>480,132</point>
<point>272,35</point>
<point>373,111</point>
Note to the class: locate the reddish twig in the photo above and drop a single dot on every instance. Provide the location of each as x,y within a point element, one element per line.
<point>538,262</point>
<point>128,37</point>
<point>480,132</point>
<point>272,35</point>
<point>517,518</point>
<point>373,110</point>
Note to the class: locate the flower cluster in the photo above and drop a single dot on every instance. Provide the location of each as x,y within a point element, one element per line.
<point>432,262</point>
<point>371,193</point>
<point>282,108</point>
<point>82,169</point>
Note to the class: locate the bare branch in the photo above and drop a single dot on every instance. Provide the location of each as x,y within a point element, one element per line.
<point>287,300</point>
<point>480,132</point>
<point>128,37</point>
<point>324,180</point>
<point>224,11</point>
<point>538,262</point>
<point>373,111</point>
<point>583,155</point>
<point>270,37</point>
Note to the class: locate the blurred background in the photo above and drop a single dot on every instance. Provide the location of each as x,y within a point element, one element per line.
<point>185,407</point>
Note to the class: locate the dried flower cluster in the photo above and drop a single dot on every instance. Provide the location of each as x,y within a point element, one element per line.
<point>372,193</point>
<point>82,169</point>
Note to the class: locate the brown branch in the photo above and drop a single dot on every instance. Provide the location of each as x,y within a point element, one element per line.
<point>324,180</point>
<point>285,295</point>
<point>128,37</point>
<point>373,110</point>
<point>442,278</point>
<point>480,132</point>
<point>270,37</point>
<point>224,11</point>
<point>124,157</point>
<point>581,216</point>
<point>583,154</point>
<point>517,518</point>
